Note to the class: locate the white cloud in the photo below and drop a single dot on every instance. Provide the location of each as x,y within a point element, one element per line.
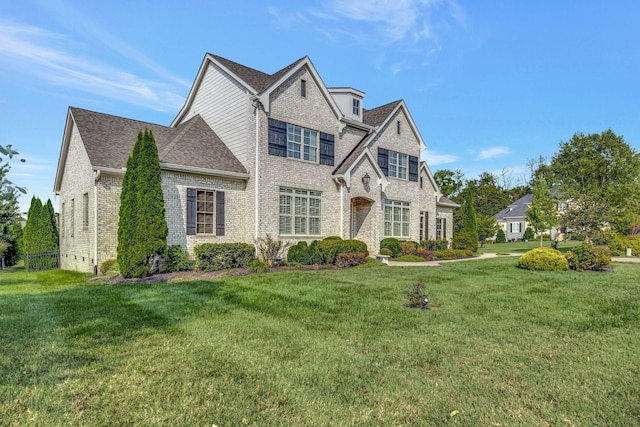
<point>38,52</point>
<point>492,152</point>
<point>412,24</point>
<point>432,158</point>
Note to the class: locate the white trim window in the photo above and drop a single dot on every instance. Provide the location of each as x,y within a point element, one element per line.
<point>515,227</point>
<point>300,212</point>
<point>441,228</point>
<point>302,143</point>
<point>396,219</point>
<point>398,164</point>
<point>356,107</point>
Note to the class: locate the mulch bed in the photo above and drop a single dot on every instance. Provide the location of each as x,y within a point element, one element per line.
<point>184,276</point>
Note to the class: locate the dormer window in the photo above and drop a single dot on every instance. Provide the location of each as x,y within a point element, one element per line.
<point>356,107</point>
<point>303,88</point>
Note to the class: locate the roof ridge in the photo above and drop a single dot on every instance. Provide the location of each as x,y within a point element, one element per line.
<point>115,116</point>
<point>180,130</point>
<point>397,101</point>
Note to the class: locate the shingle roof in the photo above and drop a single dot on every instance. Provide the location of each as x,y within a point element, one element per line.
<point>256,79</point>
<point>517,209</point>
<point>109,142</point>
<point>377,116</point>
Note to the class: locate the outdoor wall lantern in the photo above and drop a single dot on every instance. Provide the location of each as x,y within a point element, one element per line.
<point>366,179</point>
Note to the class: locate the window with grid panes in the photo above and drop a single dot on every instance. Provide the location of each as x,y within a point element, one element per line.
<point>396,219</point>
<point>302,143</point>
<point>205,212</point>
<point>300,212</point>
<point>398,164</point>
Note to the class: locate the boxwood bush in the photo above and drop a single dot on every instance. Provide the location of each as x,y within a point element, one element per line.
<point>324,252</point>
<point>177,258</point>
<point>588,257</point>
<point>220,256</point>
<point>465,240</point>
<point>543,259</point>
<point>392,244</point>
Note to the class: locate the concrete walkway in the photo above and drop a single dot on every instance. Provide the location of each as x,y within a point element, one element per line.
<point>486,256</point>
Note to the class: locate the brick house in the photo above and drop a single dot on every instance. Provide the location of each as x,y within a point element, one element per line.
<point>252,154</point>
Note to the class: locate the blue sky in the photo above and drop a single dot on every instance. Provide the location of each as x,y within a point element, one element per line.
<point>490,84</point>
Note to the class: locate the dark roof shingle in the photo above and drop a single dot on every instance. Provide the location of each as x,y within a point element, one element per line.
<point>256,79</point>
<point>377,116</point>
<point>109,141</point>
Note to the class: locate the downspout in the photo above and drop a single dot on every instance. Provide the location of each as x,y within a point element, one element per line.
<point>341,210</point>
<point>257,174</point>
<point>95,222</point>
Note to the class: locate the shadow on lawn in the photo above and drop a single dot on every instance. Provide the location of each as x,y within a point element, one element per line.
<point>46,334</point>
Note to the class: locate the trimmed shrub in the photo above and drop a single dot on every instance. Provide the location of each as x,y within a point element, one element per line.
<point>500,236</point>
<point>109,266</point>
<point>177,259</point>
<point>333,238</point>
<point>299,253</point>
<point>426,255</point>
<point>435,245</point>
<point>324,252</point>
<point>528,234</point>
<point>346,260</point>
<point>619,245</point>
<point>257,266</point>
<point>410,258</point>
<point>543,259</point>
<point>392,244</point>
<point>588,257</point>
<point>465,240</point>
<point>408,248</point>
<point>221,256</point>
<point>385,251</point>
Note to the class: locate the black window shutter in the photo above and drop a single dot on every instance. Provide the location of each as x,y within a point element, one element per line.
<point>219,213</point>
<point>383,160</point>
<point>413,168</point>
<point>191,210</point>
<point>277,138</point>
<point>327,145</point>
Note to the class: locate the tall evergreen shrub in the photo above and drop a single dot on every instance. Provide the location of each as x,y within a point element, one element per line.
<point>142,227</point>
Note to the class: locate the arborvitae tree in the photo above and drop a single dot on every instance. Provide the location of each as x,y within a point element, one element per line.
<point>32,237</point>
<point>469,223</point>
<point>142,230</point>
<point>51,225</point>
<point>500,236</point>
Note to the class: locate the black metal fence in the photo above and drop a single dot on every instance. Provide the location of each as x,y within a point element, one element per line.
<point>42,261</point>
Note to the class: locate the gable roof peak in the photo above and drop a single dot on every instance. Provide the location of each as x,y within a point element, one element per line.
<point>257,79</point>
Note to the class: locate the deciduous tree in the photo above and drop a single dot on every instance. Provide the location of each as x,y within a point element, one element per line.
<point>542,212</point>
<point>599,174</point>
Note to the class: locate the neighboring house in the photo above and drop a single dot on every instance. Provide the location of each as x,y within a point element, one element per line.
<point>512,220</point>
<point>252,154</point>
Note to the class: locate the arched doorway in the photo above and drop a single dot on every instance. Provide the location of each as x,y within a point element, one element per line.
<point>362,219</point>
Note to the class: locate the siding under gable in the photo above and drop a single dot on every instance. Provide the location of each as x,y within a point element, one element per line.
<point>223,104</point>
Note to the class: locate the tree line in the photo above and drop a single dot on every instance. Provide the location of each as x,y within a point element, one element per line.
<point>594,178</point>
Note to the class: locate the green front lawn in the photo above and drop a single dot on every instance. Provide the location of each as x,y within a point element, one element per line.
<point>503,346</point>
<point>522,247</point>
